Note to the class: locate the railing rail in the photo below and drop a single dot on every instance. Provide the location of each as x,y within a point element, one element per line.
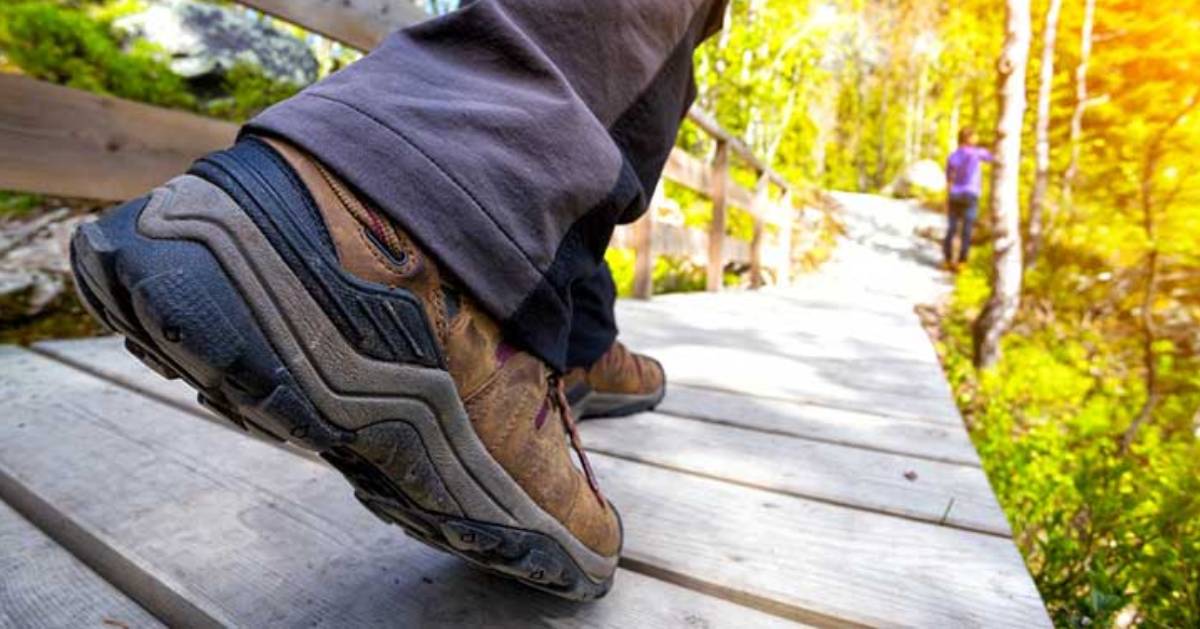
<point>62,141</point>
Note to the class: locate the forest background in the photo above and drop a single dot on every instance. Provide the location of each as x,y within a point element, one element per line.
<point>1086,415</point>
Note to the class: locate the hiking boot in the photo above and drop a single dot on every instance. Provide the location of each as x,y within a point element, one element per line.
<point>620,383</point>
<point>299,311</point>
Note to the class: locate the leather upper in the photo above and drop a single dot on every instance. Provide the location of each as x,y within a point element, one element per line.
<point>514,401</point>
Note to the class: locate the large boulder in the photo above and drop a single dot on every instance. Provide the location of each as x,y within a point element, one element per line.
<point>204,41</point>
<point>923,179</point>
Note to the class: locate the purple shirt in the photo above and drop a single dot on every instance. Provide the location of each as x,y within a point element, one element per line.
<point>962,169</point>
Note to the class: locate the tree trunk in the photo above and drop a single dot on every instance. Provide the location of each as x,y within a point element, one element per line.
<point>1081,100</point>
<point>881,155</point>
<point>919,125</point>
<point>955,113</point>
<point>1041,180</point>
<point>1001,308</point>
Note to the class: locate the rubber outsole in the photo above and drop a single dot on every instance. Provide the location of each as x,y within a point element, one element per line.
<point>197,297</point>
<point>597,405</point>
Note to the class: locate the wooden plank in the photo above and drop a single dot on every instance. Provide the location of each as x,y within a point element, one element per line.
<point>262,537</point>
<point>838,563</point>
<point>63,141</point>
<point>787,215</point>
<point>106,357</point>
<point>677,240</point>
<point>360,24</point>
<point>920,439</point>
<point>643,241</point>
<point>44,586</point>
<point>866,385</point>
<point>863,567</point>
<point>760,203</point>
<point>940,493</point>
<point>688,171</point>
<point>830,467</point>
<point>792,346</point>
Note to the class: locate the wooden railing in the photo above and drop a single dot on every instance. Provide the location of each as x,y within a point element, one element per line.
<point>63,141</point>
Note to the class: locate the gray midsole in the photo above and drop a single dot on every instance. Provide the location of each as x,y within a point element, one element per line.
<point>351,390</point>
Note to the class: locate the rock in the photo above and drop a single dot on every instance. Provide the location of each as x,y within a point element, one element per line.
<point>28,293</point>
<point>35,274</point>
<point>205,41</point>
<point>923,179</point>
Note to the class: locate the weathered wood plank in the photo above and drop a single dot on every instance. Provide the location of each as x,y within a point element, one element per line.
<point>869,386</point>
<point>694,174</point>
<point>873,569</point>
<point>838,472</point>
<point>58,140</point>
<point>832,328</point>
<point>865,567</point>
<point>263,537</point>
<point>717,193</point>
<point>106,357</point>
<point>939,493</point>
<point>857,477</point>
<point>802,558</point>
<point>762,352</point>
<point>921,439</point>
<point>678,240</point>
<point>44,586</point>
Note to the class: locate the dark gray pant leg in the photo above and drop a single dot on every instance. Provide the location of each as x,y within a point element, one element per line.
<point>509,137</point>
<point>593,322</point>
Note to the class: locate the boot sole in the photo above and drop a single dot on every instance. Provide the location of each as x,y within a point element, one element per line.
<point>200,294</point>
<point>595,405</point>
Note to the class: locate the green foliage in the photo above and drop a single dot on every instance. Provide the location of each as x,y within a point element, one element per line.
<point>18,204</point>
<point>75,45</point>
<point>66,46</point>
<point>671,274</point>
<point>249,92</point>
<point>1103,532</point>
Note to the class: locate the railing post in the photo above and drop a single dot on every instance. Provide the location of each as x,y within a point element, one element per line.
<point>762,199</point>
<point>716,230</point>
<point>643,246</point>
<point>784,272</point>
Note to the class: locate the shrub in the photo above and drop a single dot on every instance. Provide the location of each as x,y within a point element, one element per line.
<point>1104,533</point>
<point>66,46</point>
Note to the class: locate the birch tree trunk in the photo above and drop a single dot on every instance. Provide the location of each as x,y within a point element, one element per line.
<point>1041,180</point>
<point>1081,100</point>
<point>1001,308</point>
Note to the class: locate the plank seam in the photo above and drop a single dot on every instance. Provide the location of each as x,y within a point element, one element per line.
<point>155,593</point>
<point>739,597</point>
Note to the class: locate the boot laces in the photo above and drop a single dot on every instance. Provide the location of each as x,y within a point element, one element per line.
<point>558,395</point>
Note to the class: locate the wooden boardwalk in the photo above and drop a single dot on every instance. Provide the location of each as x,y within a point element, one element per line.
<point>808,466</point>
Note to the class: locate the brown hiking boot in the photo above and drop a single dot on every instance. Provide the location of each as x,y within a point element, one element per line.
<point>301,312</point>
<point>620,383</point>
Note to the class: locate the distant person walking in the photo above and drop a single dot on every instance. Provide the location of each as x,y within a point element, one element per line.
<point>963,183</point>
